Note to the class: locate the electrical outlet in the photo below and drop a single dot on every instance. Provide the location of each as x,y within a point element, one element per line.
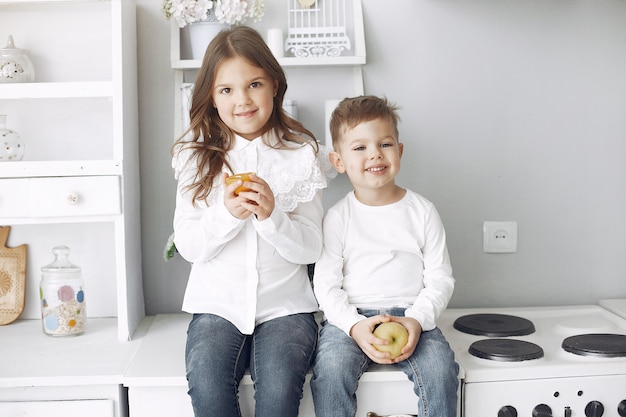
<point>499,237</point>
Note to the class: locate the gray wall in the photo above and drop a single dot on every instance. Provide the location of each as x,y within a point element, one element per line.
<point>512,110</point>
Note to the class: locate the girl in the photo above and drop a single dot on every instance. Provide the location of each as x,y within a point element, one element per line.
<point>248,289</point>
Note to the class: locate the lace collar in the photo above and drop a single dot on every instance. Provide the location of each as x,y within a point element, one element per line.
<point>294,171</point>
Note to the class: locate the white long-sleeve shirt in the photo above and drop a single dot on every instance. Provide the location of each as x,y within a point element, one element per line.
<point>383,256</point>
<point>251,271</point>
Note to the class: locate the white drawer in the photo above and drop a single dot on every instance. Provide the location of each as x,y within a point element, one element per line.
<point>75,408</point>
<point>75,196</point>
<point>13,197</point>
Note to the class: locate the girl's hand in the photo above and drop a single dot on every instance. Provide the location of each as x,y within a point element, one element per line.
<point>258,200</point>
<point>232,201</point>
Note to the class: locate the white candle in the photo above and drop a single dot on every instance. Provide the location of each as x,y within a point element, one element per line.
<point>275,41</point>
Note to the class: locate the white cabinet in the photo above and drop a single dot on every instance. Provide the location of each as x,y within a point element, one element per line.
<point>65,376</point>
<point>78,183</point>
<point>62,197</point>
<point>73,408</point>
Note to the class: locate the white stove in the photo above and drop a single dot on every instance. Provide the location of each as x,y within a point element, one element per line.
<point>532,374</point>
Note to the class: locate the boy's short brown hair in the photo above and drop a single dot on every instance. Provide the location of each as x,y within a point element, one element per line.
<point>351,112</point>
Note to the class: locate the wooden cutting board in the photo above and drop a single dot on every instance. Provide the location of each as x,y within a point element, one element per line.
<point>12,278</point>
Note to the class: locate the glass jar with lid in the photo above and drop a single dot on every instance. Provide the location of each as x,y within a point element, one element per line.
<point>62,296</point>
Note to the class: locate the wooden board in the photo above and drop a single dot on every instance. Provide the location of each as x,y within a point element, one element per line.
<point>12,279</point>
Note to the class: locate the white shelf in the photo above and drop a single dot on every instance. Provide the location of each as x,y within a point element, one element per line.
<point>358,58</point>
<point>17,221</point>
<point>92,89</point>
<point>183,64</point>
<point>21,2</point>
<point>27,169</point>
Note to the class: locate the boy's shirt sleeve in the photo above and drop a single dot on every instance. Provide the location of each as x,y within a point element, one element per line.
<point>433,299</point>
<point>328,277</point>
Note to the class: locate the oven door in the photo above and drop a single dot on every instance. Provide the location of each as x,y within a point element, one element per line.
<point>591,396</point>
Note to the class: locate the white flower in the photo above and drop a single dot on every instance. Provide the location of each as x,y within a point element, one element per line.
<point>257,10</point>
<point>231,12</point>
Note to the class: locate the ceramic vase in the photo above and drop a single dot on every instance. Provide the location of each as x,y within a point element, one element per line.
<point>201,34</point>
<point>15,64</point>
<point>12,147</point>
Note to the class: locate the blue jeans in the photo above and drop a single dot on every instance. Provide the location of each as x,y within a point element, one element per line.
<point>278,354</point>
<point>340,362</point>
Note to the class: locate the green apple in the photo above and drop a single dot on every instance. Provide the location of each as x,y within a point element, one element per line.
<point>395,334</point>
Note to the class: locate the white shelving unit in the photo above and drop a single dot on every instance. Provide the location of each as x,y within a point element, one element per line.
<point>356,59</point>
<point>79,122</point>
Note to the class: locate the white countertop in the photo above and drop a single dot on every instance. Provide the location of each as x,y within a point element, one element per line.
<point>28,357</point>
<point>615,306</point>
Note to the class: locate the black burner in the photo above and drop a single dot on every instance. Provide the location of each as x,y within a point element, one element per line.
<point>494,325</point>
<point>505,350</point>
<point>603,345</point>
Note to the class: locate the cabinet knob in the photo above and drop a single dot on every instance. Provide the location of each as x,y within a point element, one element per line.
<point>72,198</point>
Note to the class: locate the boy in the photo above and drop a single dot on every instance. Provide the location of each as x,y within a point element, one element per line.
<point>384,260</point>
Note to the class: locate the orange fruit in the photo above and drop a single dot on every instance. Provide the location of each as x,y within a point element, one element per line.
<point>245,176</point>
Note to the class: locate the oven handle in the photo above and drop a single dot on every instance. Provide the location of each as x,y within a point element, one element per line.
<point>373,414</point>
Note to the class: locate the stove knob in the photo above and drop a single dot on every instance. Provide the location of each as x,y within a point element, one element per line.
<point>542,410</point>
<point>621,408</point>
<point>594,409</point>
<point>507,411</point>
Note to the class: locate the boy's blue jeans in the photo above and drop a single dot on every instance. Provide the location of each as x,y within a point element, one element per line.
<point>340,362</point>
<point>278,354</point>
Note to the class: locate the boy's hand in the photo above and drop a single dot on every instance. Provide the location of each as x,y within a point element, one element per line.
<point>415,330</point>
<point>362,333</point>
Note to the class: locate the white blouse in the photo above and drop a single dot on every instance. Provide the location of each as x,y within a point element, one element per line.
<point>251,271</point>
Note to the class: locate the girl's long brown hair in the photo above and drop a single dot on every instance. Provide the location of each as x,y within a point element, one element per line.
<point>208,135</point>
